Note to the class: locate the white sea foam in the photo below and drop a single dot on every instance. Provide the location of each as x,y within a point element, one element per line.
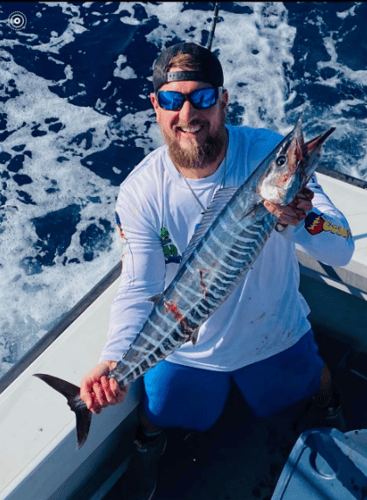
<point>348,12</point>
<point>29,302</point>
<point>254,71</point>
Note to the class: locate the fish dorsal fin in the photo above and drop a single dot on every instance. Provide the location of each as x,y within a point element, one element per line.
<point>219,201</point>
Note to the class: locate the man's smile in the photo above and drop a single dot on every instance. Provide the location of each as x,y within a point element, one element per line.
<point>191,130</point>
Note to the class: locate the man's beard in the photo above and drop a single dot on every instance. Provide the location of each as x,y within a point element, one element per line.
<point>196,156</point>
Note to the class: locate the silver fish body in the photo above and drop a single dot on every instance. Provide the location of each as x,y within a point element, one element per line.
<point>225,246</point>
<point>202,284</point>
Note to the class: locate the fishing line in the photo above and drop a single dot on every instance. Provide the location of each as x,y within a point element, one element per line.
<point>214,22</point>
<point>209,46</point>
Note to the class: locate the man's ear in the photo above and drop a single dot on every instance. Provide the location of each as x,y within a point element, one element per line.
<point>154,101</point>
<point>225,98</point>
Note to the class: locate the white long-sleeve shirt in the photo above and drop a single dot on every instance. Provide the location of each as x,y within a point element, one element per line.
<point>265,314</point>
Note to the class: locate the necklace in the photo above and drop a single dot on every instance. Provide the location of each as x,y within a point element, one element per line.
<point>223,182</point>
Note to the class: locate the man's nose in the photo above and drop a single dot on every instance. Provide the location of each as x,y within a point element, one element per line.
<point>187,111</point>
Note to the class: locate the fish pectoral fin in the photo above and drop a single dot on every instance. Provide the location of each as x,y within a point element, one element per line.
<point>71,393</point>
<point>155,298</point>
<point>194,336</point>
<point>255,211</point>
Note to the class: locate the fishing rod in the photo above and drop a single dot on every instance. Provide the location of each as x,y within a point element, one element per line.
<point>214,22</point>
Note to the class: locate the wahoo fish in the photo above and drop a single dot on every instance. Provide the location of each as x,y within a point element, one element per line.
<point>224,247</point>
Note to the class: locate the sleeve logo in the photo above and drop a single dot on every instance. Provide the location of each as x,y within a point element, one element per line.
<point>316,224</point>
<point>118,222</point>
<point>170,251</point>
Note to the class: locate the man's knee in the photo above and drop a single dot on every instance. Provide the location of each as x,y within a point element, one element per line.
<point>324,394</point>
<point>146,423</point>
<point>170,415</point>
<point>326,379</point>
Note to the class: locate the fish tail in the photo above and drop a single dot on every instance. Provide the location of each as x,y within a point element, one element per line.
<point>71,393</point>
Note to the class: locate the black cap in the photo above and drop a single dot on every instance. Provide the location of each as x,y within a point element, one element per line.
<point>210,67</point>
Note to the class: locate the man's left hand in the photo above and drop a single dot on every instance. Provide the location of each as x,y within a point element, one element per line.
<point>295,212</point>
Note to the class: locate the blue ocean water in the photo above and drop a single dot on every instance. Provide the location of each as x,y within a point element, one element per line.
<point>75,117</point>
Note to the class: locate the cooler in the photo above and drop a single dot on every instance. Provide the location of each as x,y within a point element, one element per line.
<point>325,464</point>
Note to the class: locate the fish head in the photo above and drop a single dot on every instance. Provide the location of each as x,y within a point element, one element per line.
<point>291,165</point>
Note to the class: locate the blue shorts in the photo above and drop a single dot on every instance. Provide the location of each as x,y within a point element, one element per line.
<point>193,398</point>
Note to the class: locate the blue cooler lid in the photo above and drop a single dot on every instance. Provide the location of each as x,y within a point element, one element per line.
<point>325,464</point>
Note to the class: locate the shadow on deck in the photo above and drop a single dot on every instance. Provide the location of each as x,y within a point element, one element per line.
<point>241,457</point>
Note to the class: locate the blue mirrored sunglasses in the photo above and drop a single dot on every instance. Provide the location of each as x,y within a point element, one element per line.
<point>200,99</point>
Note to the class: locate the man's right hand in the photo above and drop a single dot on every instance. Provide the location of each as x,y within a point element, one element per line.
<point>97,391</point>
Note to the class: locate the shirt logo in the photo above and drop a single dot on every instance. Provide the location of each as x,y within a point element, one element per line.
<point>316,224</point>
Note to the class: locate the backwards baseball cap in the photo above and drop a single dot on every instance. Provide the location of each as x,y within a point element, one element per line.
<point>210,67</point>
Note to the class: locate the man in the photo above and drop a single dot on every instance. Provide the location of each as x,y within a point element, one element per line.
<point>260,336</point>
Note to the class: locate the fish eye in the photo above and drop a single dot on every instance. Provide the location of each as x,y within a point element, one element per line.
<point>280,161</point>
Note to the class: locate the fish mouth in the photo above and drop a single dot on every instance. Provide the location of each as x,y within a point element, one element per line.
<point>306,154</point>
<point>312,150</point>
<point>294,148</point>
<point>313,146</point>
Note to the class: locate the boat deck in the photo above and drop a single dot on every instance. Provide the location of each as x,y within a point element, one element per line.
<point>241,457</point>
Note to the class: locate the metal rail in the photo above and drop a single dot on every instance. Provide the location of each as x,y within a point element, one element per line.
<point>342,177</point>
